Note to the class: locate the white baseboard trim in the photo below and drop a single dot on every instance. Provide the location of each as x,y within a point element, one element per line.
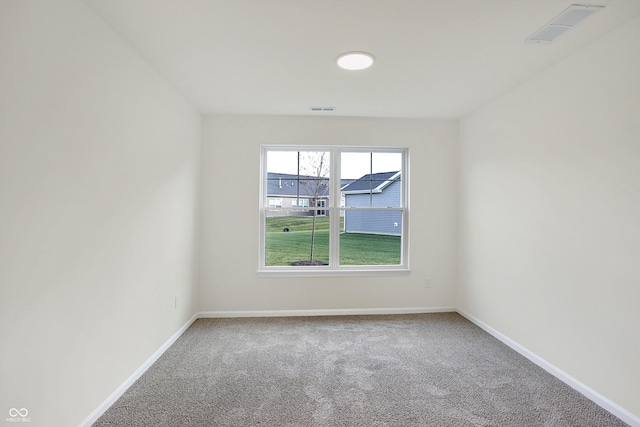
<point>102,408</point>
<point>322,312</point>
<point>588,392</point>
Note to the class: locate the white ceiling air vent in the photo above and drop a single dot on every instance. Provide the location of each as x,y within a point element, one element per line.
<point>322,109</point>
<point>567,19</point>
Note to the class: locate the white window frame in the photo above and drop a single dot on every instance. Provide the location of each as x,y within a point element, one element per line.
<point>334,208</point>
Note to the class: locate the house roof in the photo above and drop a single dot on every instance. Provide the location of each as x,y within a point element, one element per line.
<point>374,183</point>
<point>289,185</point>
<point>345,182</point>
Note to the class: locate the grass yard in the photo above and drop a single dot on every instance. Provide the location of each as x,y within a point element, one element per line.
<point>355,249</point>
<point>369,249</point>
<point>298,223</point>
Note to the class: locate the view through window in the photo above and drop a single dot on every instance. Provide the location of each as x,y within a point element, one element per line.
<point>333,208</point>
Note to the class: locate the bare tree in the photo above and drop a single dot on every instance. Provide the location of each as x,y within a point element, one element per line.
<point>315,165</point>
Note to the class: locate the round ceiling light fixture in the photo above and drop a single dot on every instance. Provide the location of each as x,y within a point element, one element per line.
<point>354,61</point>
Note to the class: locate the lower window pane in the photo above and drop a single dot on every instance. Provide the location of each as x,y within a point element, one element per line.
<point>289,236</point>
<point>371,238</point>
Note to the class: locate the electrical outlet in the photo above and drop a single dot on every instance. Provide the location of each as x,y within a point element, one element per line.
<point>175,302</point>
<point>427,283</point>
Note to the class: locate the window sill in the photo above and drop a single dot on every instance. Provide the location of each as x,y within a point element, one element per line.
<point>343,272</point>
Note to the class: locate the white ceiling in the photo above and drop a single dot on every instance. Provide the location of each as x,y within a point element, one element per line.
<point>436,59</point>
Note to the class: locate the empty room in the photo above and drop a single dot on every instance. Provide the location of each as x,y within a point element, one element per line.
<point>319,213</point>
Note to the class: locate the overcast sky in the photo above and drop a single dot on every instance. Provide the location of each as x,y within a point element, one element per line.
<point>353,165</point>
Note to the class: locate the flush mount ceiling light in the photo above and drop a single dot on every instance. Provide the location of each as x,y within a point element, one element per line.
<point>355,61</point>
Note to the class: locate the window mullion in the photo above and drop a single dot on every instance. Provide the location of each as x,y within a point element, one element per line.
<point>334,209</point>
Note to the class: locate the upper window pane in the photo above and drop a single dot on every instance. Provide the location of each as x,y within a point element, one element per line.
<point>371,179</point>
<point>354,165</point>
<point>298,175</point>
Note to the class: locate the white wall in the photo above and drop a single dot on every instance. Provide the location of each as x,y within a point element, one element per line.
<point>550,215</point>
<point>229,245</point>
<point>98,191</point>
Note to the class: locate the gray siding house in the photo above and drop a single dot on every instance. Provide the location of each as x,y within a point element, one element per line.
<point>297,191</point>
<point>379,190</point>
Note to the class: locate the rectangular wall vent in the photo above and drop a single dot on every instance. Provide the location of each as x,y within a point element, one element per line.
<point>322,109</point>
<point>567,19</point>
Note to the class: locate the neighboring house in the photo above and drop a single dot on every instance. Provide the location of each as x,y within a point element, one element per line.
<point>297,191</point>
<point>378,190</point>
<point>343,184</point>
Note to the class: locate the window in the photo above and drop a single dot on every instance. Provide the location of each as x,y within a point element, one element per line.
<point>322,204</point>
<point>339,210</point>
<point>300,203</point>
<point>275,202</point>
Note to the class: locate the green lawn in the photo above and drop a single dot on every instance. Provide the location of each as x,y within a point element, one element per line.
<point>355,249</point>
<point>298,223</point>
<point>369,249</point>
